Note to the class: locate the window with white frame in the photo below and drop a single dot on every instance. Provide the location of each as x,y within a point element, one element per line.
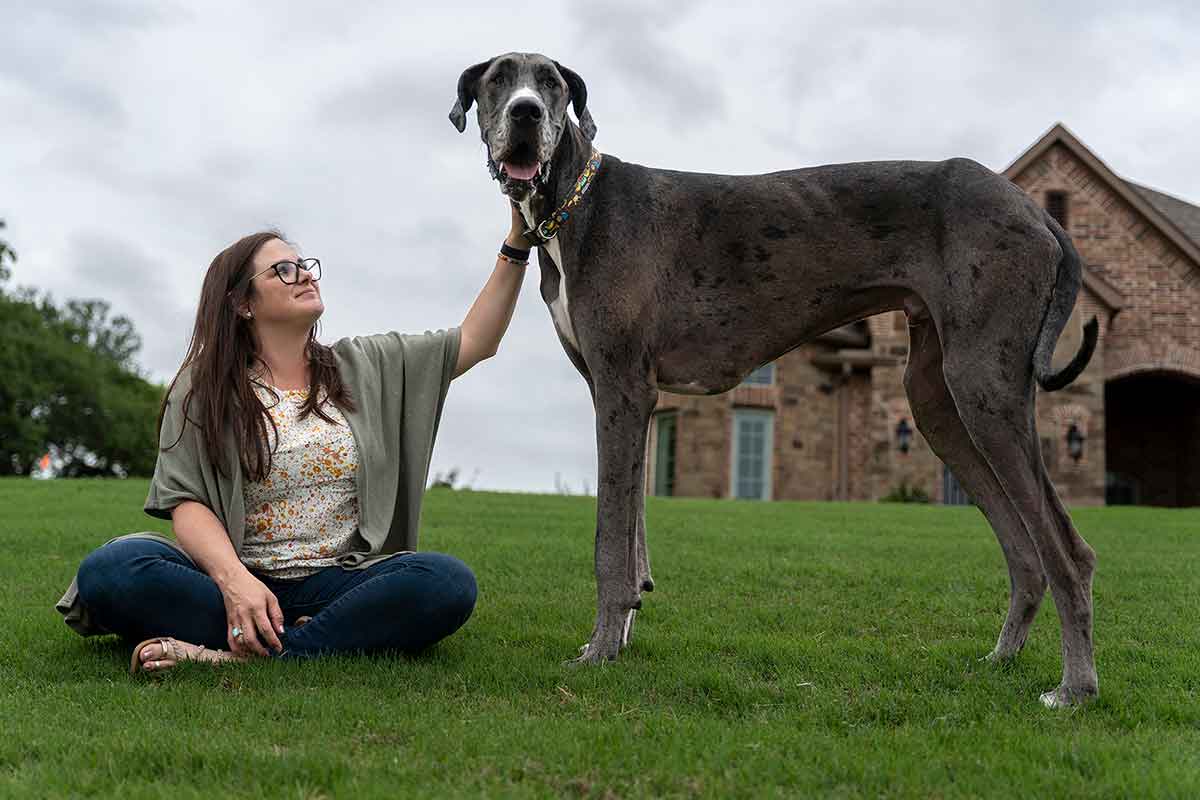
<point>763,376</point>
<point>753,436</point>
<point>664,453</point>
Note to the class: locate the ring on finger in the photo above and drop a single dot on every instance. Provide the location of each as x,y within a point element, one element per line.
<point>237,632</point>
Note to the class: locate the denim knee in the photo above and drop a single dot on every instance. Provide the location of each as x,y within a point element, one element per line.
<point>105,572</point>
<point>459,587</point>
<point>94,578</point>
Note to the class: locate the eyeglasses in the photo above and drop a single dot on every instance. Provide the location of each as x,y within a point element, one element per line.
<point>289,271</point>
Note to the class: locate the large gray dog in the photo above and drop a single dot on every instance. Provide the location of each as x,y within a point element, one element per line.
<point>686,282</point>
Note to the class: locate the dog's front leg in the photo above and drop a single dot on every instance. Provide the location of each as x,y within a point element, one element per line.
<point>645,582</point>
<point>622,419</point>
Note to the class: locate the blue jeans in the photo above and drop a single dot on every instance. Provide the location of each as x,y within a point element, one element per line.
<point>139,589</point>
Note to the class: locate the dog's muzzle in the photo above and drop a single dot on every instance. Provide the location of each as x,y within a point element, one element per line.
<point>523,149</point>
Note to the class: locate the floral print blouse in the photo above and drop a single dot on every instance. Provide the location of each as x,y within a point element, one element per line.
<point>304,514</point>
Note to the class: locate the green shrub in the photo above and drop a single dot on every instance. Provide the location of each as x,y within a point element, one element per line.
<point>906,494</point>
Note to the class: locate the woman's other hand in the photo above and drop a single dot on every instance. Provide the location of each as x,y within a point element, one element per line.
<point>516,234</point>
<point>251,606</point>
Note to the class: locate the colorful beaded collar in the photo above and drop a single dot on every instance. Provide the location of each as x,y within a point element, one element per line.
<point>548,228</point>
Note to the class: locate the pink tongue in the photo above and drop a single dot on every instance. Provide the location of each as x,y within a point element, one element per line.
<point>521,172</point>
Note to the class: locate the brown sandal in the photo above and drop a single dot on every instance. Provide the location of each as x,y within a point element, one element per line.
<point>174,650</point>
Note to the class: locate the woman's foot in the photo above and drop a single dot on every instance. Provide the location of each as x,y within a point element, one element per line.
<point>164,652</point>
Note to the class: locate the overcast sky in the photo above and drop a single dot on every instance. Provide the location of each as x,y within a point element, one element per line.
<point>138,139</point>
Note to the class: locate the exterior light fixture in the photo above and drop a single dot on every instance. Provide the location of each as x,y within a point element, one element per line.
<point>1075,440</point>
<point>904,434</point>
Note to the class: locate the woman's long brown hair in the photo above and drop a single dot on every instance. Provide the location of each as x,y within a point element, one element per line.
<point>220,355</point>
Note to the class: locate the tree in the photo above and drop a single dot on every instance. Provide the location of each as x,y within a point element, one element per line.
<point>86,322</point>
<point>70,386</point>
<point>6,254</point>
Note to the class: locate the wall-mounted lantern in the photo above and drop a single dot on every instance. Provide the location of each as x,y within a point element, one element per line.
<point>904,434</point>
<point>1075,440</point>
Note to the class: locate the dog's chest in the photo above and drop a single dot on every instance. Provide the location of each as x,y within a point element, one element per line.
<point>559,307</point>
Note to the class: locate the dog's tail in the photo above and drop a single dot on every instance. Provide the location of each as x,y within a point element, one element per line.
<point>1062,300</point>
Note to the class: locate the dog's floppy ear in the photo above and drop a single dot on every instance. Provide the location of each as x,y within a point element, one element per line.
<point>579,100</point>
<point>468,84</point>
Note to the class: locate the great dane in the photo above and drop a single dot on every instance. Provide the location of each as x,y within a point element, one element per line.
<point>686,282</point>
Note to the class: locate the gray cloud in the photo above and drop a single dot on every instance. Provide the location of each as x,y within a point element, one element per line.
<point>136,284</point>
<point>90,16</point>
<point>52,84</point>
<point>401,94</point>
<point>57,75</point>
<point>640,45</point>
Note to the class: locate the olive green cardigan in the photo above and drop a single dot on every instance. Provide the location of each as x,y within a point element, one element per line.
<point>398,383</point>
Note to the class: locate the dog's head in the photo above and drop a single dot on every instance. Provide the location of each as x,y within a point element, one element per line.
<point>522,100</point>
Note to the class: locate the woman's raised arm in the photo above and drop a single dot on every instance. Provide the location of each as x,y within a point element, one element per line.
<point>486,322</point>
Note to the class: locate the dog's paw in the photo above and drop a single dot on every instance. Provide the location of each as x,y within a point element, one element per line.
<point>608,638</point>
<point>591,654</point>
<point>999,657</point>
<point>1062,697</point>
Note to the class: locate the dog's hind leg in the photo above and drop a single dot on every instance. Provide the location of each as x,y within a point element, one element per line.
<point>623,409</point>
<point>999,416</point>
<point>938,420</point>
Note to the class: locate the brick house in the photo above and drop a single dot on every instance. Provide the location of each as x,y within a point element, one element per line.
<point>830,420</point>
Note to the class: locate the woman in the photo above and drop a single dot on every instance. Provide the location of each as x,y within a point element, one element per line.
<point>293,474</point>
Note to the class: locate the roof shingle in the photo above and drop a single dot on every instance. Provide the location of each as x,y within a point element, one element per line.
<point>1183,215</point>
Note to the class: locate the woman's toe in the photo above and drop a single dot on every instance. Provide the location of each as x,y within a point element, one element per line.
<point>156,655</point>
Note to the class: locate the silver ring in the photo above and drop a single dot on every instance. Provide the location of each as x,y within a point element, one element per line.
<point>237,632</point>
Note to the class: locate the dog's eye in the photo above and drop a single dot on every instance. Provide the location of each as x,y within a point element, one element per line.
<point>549,83</point>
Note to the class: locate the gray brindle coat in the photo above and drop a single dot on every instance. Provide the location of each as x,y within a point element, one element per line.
<point>686,282</point>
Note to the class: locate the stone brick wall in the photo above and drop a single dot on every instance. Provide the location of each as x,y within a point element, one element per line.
<point>805,442</point>
<point>1157,329</point>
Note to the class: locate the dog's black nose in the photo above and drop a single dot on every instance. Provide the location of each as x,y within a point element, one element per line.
<point>525,112</point>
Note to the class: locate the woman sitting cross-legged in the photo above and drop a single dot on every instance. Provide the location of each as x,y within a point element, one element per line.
<point>293,474</point>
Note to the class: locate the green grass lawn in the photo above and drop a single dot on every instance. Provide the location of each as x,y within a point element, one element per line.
<point>791,649</point>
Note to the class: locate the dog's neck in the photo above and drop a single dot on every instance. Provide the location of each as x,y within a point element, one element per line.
<point>570,157</point>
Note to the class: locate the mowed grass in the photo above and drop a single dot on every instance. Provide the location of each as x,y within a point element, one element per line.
<point>791,649</point>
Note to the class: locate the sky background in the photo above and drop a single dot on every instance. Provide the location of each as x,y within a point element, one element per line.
<point>138,139</point>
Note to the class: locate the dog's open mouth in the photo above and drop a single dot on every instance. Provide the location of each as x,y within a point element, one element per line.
<point>520,164</point>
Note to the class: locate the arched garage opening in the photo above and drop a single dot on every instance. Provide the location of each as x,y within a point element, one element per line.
<point>1152,440</point>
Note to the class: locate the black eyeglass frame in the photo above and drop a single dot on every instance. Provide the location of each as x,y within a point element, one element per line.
<point>305,264</point>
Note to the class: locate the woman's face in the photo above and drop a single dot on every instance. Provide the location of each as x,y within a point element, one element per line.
<point>274,302</point>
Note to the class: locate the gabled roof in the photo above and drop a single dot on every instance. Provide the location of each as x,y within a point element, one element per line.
<point>1176,220</point>
<point>1185,215</point>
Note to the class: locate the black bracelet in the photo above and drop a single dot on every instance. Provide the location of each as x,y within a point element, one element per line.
<point>514,252</point>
